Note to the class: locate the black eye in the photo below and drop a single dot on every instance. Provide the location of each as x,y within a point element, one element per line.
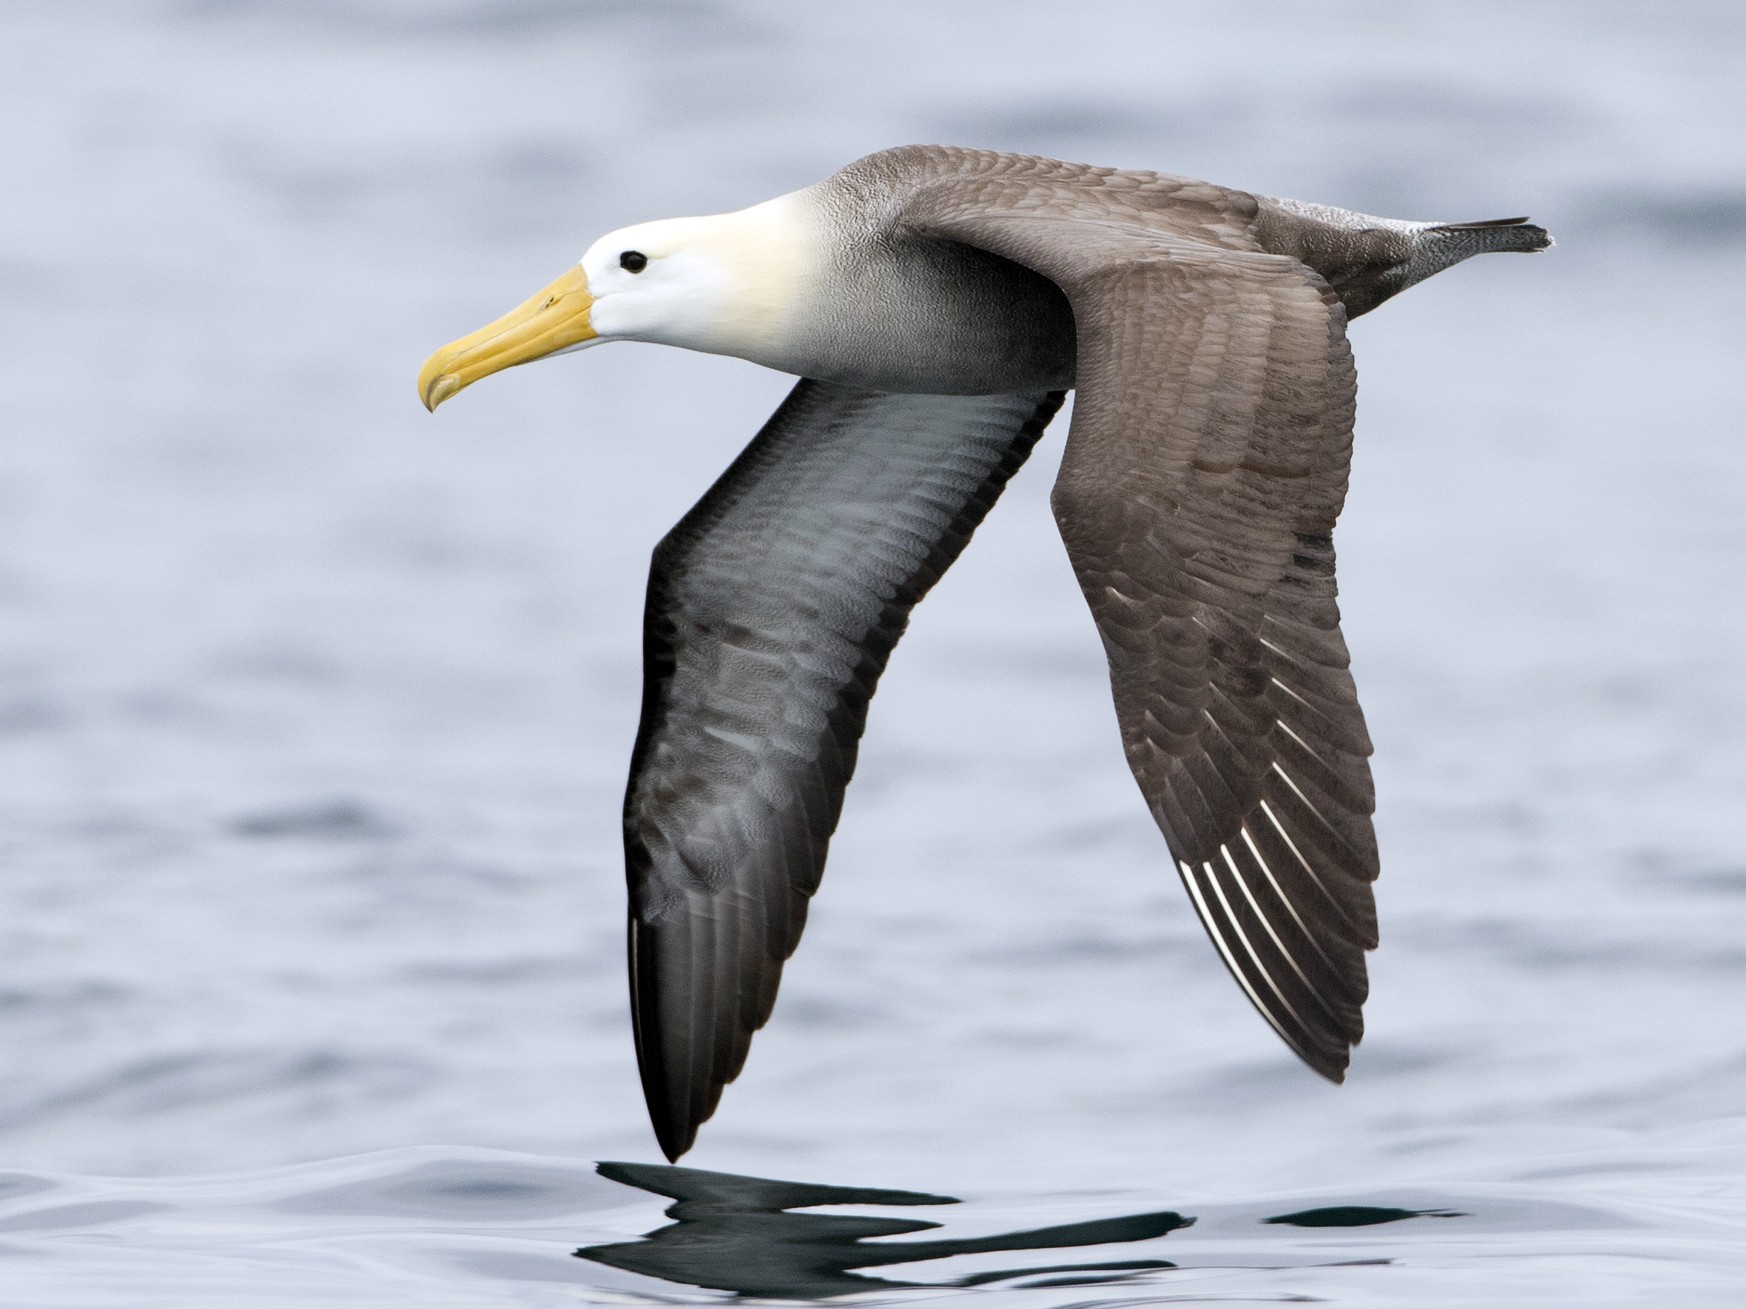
<point>633,261</point>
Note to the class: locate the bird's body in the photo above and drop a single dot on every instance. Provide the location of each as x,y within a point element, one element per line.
<point>937,302</point>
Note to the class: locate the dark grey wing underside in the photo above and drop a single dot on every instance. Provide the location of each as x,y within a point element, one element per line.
<point>772,609</point>
<point>1207,463</point>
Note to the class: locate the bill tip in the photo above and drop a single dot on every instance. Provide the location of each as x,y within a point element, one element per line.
<point>437,389</point>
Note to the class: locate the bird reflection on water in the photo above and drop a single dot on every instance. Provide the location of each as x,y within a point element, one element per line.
<point>734,1233</point>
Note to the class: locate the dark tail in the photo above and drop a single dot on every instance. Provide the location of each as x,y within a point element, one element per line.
<point>1447,244</point>
<point>1510,234</point>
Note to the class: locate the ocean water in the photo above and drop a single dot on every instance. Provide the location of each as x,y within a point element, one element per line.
<point>314,708</point>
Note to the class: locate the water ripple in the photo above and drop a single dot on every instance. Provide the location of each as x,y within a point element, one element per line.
<point>467,1226</point>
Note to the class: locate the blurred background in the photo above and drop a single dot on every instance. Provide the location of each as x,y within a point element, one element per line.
<point>315,708</point>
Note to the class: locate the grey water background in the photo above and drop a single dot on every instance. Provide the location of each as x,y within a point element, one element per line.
<point>314,709</point>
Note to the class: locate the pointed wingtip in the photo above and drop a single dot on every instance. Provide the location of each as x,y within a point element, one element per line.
<point>674,1138</point>
<point>674,1125</point>
<point>666,1094</point>
<point>1329,1062</point>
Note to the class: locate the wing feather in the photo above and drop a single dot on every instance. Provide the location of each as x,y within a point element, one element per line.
<point>772,609</point>
<point>1206,466</point>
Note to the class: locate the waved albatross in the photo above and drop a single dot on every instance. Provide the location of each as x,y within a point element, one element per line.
<point>937,303</point>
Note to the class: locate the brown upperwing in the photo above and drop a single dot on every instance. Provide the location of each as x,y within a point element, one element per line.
<point>1205,467</point>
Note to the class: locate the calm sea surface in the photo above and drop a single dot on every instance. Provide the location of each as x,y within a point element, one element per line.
<point>314,709</point>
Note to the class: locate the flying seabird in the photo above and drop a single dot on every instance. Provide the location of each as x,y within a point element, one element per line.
<point>937,303</point>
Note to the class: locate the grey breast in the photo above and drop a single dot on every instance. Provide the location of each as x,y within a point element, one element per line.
<point>908,312</point>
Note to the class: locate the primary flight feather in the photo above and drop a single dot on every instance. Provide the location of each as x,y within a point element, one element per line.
<point>937,303</point>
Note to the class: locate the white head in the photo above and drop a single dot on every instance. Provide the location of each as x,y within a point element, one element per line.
<point>727,284</point>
